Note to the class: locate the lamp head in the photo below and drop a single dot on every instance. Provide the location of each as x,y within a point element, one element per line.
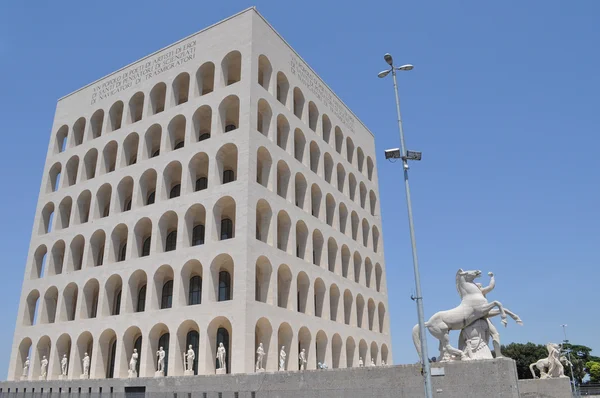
<point>383,73</point>
<point>406,67</point>
<point>388,58</point>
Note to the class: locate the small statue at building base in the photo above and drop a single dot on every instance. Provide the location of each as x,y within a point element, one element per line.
<point>282,356</point>
<point>132,371</point>
<point>260,354</point>
<point>222,365</point>
<point>360,362</point>
<point>550,367</point>
<point>188,361</point>
<point>64,364</point>
<point>25,374</point>
<point>302,359</point>
<point>86,367</point>
<point>160,364</point>
<point>43,368</point>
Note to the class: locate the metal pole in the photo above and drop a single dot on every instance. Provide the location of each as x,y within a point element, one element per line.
<point>419,299</point>
<point>566,341</point>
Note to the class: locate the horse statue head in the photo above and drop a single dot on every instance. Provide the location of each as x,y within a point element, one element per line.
<point>463,277</point>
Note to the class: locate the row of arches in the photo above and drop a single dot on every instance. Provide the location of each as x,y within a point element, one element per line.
<point>297,292</point>
<point>278,178</point>
<point>110,352</point>
<point>295,238</point>
<point>143,239</point>
<point>114,296</point>
<point>178,133</point>
<point>161,96</point>
<point>293,99</point>
<point>202,171</point>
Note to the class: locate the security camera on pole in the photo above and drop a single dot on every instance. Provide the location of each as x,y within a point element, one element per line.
<point>402,153</point>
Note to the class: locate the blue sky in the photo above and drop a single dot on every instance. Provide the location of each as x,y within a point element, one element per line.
<point>503,102</point>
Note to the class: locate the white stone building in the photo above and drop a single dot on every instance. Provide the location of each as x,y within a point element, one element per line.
<point>214,191</point>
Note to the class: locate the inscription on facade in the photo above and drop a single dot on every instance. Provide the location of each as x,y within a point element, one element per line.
<point>144,70</point>
<point>314,84</point>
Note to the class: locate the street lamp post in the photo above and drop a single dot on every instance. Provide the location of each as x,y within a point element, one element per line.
<point>566,341</point>
<point>405,156</point>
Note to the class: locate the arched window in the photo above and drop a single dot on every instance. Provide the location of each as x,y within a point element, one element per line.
<point>166,300</point>
<point>141,300</point>
<point>146,247</point>
<point>201,183</point>
<point>223,337</point>
<point>110,370</point>
<point>228,176</point>
<point>226,229</point>
<point>195,296</point>
<point>193,339</point>
<point>203,136</point>
<point>151,197</point>
<point>164,343</point>
<point>224,286</point>
<point>138,346</point>
<point>171,243</point>
<point>198,235</point>
<point>117,306</point>
<point>122,252</point>
<point>175,191</point>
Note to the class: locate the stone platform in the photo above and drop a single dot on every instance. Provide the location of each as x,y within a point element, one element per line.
<point>495,378</point>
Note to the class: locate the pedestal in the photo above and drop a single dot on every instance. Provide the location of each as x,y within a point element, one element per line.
<point>221,371</point>
<point>62,377</point>
<point>42,377</point>
<point>84,377</point>
<point>24,378</point>
<point>159,373</point>
<point>188,373</point>
<point>132,374</point>
<point>259,370</point>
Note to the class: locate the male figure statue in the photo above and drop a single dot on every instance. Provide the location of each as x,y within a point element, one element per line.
<point>190,357</point>
<point>133,363</point>
<point>63,365</point>
<point>282,356</point>
<point>372,362</point>
<point>221,352</point>
<point>360,362</point>
<point>383,363</point>
<point>302,359</point>
<point>44,368</point>
<point>492,331</point>
<point>160,365</point>
<point>260,353</point>
<point>25,369</point>
<point>86,366</point>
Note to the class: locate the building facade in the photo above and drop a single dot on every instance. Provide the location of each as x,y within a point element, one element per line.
<point>216,191</point>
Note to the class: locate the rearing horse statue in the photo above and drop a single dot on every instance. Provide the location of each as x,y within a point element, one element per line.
<point>473,306</point>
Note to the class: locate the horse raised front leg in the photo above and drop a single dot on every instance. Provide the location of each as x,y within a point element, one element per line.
<point>489,306</point>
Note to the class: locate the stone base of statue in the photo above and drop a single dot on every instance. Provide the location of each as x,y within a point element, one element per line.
<point>24,378</point>
<point>132,374</point>
<point>159,373</point>
<point>84,377</point>
<point>62,377</point>
<point>188,372</point>
<point>221,371</point>
<point>42,377</point>
<point>259,370</point>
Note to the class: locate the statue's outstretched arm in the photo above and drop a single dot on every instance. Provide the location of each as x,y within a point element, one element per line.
<point>491,286</point>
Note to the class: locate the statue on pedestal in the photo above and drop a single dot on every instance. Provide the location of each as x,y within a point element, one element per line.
<point>360,362</point>
<point>474,306</point>
<point>43,368</point>
<point>160,363</point>
<point>372,362</point>
<point>64,364</point>
<point>188,361</point>
<point>132,371</point>
<point>550,367</point>
<point>25,373</point>
<point>221,353</point>
<point>282,356</point>
<point>302,359</point>
<point>86,367</point>
<point>383,363</point>
<point>260,354</point>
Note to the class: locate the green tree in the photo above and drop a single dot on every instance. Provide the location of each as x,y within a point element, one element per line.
<point>524,355</point>
<point>580,356</point>
<point>593,369</point>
